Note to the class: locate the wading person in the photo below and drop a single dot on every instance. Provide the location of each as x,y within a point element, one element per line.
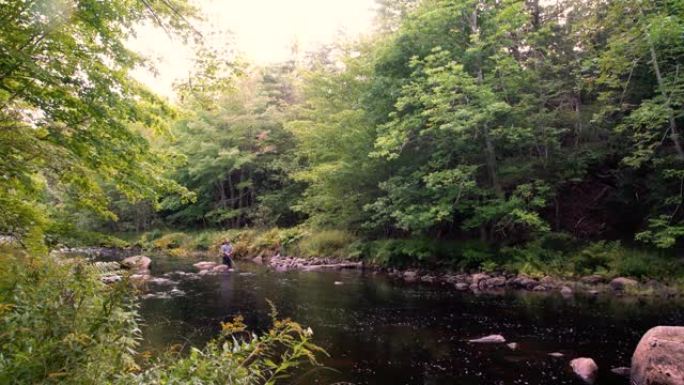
<point>227,253</point>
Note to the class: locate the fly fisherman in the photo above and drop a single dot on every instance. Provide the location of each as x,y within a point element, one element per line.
<point>226,250</point>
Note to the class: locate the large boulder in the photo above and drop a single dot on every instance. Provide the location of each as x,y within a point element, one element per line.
<point>659,357</point>
<point>136,262</point>
<point>585,368</point>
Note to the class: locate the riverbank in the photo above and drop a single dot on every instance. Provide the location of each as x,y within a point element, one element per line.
<point>594,284</point>
<point>549,264</point>
<point>474,281</point>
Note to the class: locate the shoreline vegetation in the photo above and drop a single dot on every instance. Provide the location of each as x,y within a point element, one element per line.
<point>601,267</point>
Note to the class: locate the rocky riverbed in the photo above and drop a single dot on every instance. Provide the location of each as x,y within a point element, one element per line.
<point>489,281</point>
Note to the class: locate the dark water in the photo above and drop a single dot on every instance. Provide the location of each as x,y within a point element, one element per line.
<point>380,331</point>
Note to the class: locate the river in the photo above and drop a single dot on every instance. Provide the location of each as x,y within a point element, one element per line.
<point>382,331</point>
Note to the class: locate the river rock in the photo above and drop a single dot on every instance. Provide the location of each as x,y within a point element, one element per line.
<point>523,282</point>
<point>162,281</point>
<point>259,260</point>
<point>659,357</point>
<point>557,354</point>
<point>140,277</point>
<point>110,278</point>
<point>476,278</point>
<point>461,286</point>
<point>495,282</point>
<point>490,339</point>
<point>220,269</point>
<point>585,368</point>
<point>622,283</point>
<point>566,291</point>
<point>540,288</point>
<point>549,282</point>
<point>410,276</point>
<point>513,346</point>
<point>107,266</point>
<point>205,265</point>
<point>137,262</point>
<point>622,371</point>
<point>428,279</point>
<point>593,279</point>
<point>338,283</point>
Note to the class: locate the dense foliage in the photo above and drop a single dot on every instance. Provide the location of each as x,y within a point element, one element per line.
<point>73,123</point>
<point>497,121</point>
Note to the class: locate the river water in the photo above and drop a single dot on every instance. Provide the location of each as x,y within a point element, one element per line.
<point>382,331</point>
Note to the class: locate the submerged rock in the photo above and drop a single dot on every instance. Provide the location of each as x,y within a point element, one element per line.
<point>557,354</point>
<point>622,371</point>
<point>513,346</point>
<point>659,357</point>
<point>338,283</point>
<point>566,291</point>
<point>491,339</point>
<point>585,368</point>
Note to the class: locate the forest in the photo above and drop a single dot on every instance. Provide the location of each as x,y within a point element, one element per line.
<point>526,135</point>
<point>498,128</point>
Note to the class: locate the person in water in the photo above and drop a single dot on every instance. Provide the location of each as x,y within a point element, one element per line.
<point>226,250</point>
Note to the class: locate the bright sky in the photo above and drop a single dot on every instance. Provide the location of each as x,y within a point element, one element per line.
<point>263,31</point>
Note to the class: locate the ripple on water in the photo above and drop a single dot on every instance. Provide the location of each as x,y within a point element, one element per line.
<point>383,332</point>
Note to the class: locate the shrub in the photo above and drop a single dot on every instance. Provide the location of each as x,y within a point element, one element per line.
<point>171,241</point>
<point>61,325</point>
<point>327,243</point>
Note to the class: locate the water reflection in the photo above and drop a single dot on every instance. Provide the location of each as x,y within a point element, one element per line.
<point>383,332</point>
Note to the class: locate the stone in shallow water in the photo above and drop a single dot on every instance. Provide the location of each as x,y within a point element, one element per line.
<point>162,281</point>
<point>513,346</point>
<point>622,371</point>
<point>585,368</point>
<point>557,354</point>
<point>137,262</point>
<point>205,265</point>
<point>491,339</point>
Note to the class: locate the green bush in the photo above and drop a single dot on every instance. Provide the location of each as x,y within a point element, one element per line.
<point>171,241</point>
<point>427,252</point>
<point>327,243</point>
<point>61,325</point>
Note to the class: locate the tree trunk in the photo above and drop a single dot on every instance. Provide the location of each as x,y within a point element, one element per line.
<point>674,134</point>
<point>490,151</point>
